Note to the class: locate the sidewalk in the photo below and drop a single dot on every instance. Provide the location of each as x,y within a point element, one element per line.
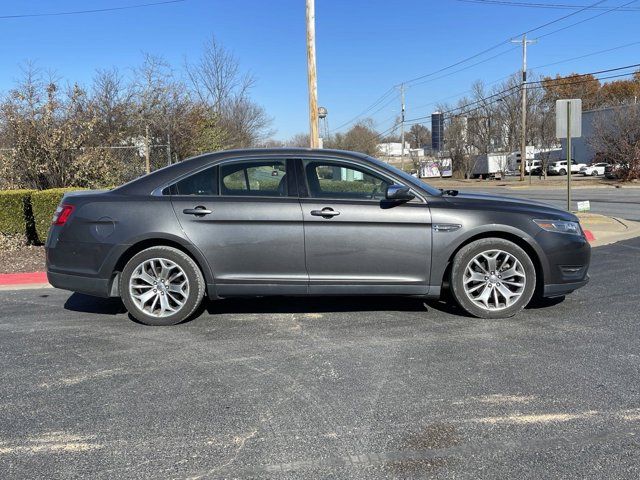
<point>608,230</point>
<point>514,183</point>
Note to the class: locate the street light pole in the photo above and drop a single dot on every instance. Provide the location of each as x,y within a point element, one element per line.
<point>314,141</point>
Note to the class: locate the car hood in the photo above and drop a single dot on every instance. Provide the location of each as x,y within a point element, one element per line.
<point>498,202</point>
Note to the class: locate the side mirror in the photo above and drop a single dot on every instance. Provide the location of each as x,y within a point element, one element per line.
<point>399,192</point>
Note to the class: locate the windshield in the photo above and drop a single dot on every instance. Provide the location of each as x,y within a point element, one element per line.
<point>409,178</point>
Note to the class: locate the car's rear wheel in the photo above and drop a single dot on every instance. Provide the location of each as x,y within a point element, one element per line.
<point>562,171</point>
<point>594,173</point>
<point>492,278</point>
<point>161,286</point>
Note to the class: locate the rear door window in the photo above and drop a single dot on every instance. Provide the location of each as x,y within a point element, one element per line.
<point>203,183</point>
<point>261,178</point>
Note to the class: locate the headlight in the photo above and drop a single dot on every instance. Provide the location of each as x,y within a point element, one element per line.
<point>559,226</point>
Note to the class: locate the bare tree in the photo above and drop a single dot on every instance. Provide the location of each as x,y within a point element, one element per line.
<point>218,82</point>
<point>419,136</point>
<point>616,138</point>
<point>298,140</point>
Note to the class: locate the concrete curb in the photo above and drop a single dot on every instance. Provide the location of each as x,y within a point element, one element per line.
<point>24,286</point>
<point>23,280</point>
<point>603,237</point>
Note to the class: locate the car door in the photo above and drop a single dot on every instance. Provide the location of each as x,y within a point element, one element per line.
<point>244,215</point>
<point>356,241</point>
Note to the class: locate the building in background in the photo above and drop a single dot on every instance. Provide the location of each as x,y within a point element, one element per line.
<point>582,151</point>
<point>393,149</point>
<point>437,131</point>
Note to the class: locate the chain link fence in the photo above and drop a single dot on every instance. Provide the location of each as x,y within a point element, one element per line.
<point>99,166</point>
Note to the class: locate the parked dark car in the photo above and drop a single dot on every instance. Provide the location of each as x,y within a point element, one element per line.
<point>307,222</point>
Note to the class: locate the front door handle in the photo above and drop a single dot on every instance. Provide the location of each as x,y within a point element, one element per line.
<point>198,211</point>
<point>326,212</point>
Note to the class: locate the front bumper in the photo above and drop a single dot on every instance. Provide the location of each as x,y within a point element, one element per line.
<point>560,289</point>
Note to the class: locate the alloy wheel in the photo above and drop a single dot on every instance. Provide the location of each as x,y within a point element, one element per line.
<point>494,280</point>
<point>159,287</point>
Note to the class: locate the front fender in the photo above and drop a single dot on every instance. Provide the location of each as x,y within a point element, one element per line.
<point>446,244</point>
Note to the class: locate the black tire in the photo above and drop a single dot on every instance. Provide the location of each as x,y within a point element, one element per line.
<point>191,271</point>
<point>562,171</point>
<point>468,253</point>
<point>594,173</point>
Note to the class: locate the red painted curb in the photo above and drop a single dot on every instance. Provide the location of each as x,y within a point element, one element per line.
<point>23,278</point>
<point>589,235</point>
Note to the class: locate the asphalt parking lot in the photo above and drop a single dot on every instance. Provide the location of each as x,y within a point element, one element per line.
<point>615,202</point>
<point>326,388</point>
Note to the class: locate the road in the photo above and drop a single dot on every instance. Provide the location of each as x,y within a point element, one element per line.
<point>326,388</point>
<point>614,202</point>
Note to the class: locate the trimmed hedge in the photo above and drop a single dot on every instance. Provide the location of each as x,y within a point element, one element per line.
<point>15,212</point>
<point>44,204</point>
<point>358,186</point>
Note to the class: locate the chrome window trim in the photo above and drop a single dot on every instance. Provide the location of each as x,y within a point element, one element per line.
<point>157,192</point>
<point>385,175</point>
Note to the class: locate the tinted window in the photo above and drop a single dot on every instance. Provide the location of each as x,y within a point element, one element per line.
<point>201,183</point>
<point>254,178</point>
<point>336,180</point>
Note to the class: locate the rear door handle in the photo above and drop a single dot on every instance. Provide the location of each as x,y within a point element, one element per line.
<point>198,211</point>
<point>326,212</point>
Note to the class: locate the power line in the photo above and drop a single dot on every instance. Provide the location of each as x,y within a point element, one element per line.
<point>565,17</point>
<point>557,6</point>
<point>608,77</point>
<point>549,82</point>
<point>586,55</point>
<point>590,54</point>
<point>373,105</point>
<point>466,68</point>
<point>613,9</point>
<point>96,10</point>
<point>479,54</point>
<point>497,45</point>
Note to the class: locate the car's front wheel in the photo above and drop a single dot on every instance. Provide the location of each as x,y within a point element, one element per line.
<point>492,278</point>
<point>161,286</point>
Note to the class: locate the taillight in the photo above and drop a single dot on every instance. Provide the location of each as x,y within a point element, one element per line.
<point>62,214</point>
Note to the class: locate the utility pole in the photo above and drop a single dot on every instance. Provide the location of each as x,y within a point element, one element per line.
<point>402,126</point>
<point>569,157</point>
<point>523,140</point>
<point>314,141</point>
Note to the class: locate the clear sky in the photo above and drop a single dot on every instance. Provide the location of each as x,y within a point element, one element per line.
<point>364,47</point>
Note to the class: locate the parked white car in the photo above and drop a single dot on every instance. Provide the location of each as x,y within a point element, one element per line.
<point>560,167</point>
<point>594,169</point>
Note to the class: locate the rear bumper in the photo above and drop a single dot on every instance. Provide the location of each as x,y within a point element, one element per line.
<point>98,287</point>
<point>559,289</point>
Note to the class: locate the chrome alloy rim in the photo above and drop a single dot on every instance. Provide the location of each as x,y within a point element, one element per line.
<point>494,280</point>
<point>159,287</point>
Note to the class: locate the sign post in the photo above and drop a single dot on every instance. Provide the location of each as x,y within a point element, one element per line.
<point>569,125</point>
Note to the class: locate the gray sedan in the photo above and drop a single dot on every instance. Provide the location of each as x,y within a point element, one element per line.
<point>307,222</point>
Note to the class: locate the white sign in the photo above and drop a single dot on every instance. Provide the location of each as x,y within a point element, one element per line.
<point>584,206</point>
<point>575,104</point>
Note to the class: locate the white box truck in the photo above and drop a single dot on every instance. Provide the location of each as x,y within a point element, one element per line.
<point>492,165</point>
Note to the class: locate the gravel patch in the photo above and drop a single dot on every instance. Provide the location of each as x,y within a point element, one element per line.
<point>16,256</point>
